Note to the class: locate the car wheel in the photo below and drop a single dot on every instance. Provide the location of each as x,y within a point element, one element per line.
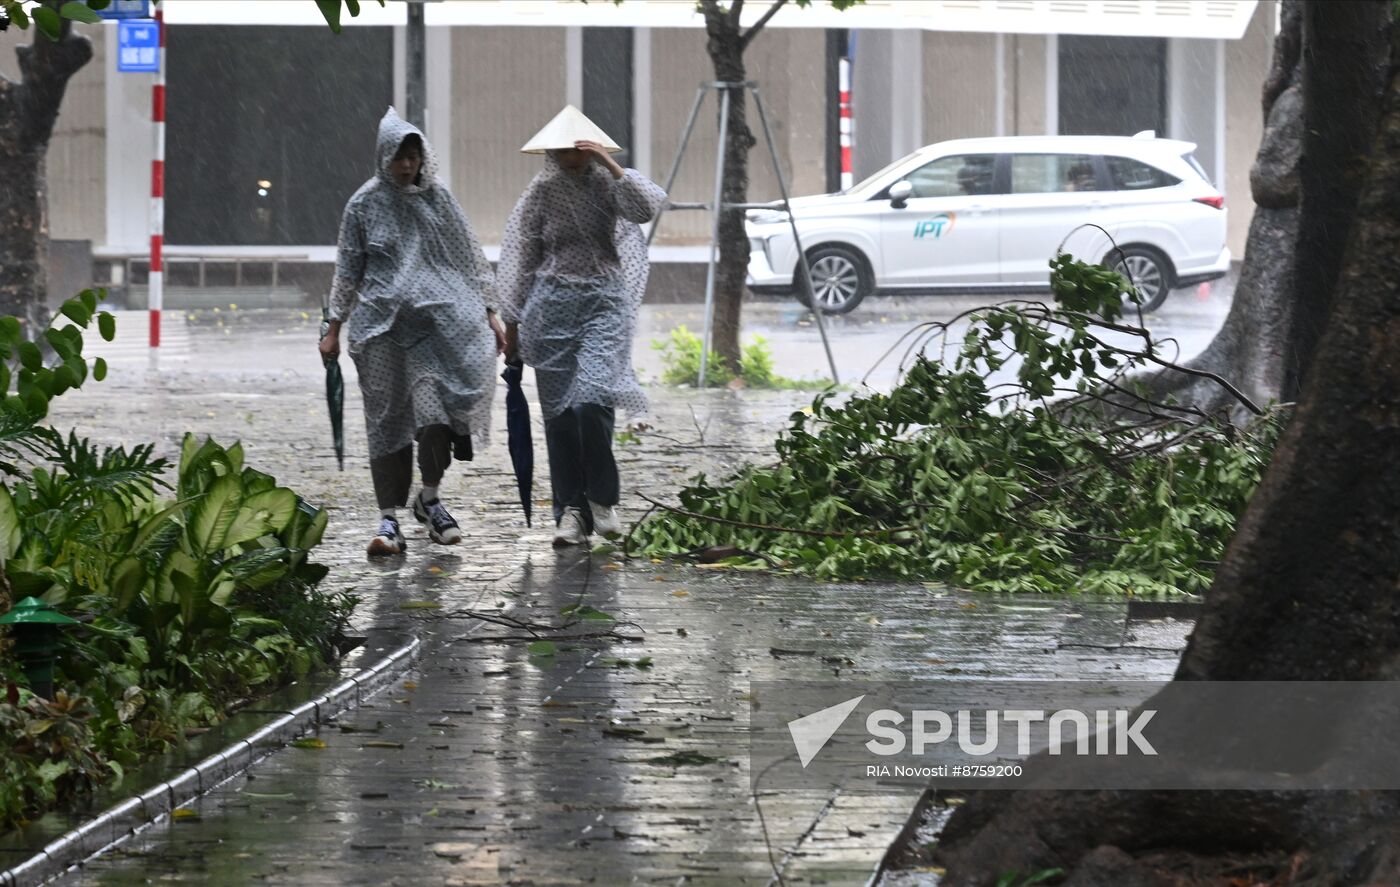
<point>1149,272</point>
<point>841,279</point>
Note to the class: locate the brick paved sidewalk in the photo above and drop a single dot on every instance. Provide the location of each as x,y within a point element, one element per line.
<point>489,765</point>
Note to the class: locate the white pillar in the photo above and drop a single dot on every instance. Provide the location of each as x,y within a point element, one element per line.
<point>573,66</point>
<point>906,92</point>
<point>1001,85</point>
<point>401,70</point>
<point>641,101</point>
<point>1052,84</point>
<point>438,115</point>
<point>1220,169</point>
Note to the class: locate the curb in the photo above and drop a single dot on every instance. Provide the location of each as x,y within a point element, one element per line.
<point>131,816</point>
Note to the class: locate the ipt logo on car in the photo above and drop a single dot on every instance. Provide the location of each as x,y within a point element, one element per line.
<point>935,227</point>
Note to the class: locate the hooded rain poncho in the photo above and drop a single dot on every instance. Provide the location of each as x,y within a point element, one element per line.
<point>413,284</point>
<point>573,271</point>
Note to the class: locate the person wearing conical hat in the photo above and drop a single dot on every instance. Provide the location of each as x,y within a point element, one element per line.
<point>572,273</point>
<point>414,287</point>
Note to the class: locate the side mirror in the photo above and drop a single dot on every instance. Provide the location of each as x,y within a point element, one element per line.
<point>900,192</point>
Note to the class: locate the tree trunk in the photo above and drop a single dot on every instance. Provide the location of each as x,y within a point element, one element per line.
<point>1307,591</point>
<point>28,111</point>
<point>1304,183</point>
<point>726,48</point>
<point>1344,66</point>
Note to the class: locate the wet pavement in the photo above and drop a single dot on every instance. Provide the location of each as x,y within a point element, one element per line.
<point>622,756</point>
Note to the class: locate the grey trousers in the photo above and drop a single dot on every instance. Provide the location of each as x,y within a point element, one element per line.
<point>393,474</point>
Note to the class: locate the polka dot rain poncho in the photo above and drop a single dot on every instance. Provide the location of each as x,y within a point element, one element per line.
<point>572,273</point>
<point>413,284</point>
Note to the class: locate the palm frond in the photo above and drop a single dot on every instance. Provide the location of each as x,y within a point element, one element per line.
<point>129,475</point>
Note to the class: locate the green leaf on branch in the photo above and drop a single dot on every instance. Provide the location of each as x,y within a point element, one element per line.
<point>330,10</point>
<point>30,357</point>
<point>77,11</point>
<point>48,22</point>
<point>107,326</point>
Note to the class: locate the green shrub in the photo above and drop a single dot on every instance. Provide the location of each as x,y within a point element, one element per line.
<point>195,591</point>
<point>680,357</point>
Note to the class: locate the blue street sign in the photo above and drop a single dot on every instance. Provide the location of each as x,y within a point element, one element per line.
<point>120,9</point>
<point>138,46</point>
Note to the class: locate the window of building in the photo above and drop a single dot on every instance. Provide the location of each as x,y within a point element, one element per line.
<point>1050,173</point>
<point>955,176</point>
<point>1112,86</point>
<point>271,130</point>
<point>1134,175</point>
<point>607,84</point>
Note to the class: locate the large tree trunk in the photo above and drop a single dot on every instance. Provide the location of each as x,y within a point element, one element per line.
<point>28,111</point>
<point>726,48</point>
<point>1309,590</point>
<point>1304,183</point>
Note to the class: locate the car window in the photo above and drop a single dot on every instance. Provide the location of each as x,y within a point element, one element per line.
<point>1196,165</point>
<point>1134,175</point>
<point>889,168</point>
<point>954,176</point>
<point>1049,173</point>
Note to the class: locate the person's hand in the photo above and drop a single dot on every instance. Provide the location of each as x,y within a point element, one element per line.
<point>500,332</point>
<point>512,343</point>
<point>330,344</point>
<point>601,155</point>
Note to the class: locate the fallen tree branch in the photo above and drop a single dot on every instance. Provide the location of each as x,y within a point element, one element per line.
<point>820,534</point>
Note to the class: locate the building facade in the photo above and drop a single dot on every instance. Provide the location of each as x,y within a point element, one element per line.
<point>272,118</point>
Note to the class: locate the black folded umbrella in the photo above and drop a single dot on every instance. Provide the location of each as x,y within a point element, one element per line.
<point>522,449</point>
<point>335,395</point>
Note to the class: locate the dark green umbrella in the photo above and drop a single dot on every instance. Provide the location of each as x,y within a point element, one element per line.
<point>335,394</point>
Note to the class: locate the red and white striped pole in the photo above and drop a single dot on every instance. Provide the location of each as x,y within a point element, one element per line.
<point>847,175</point>
<point>156,298</point>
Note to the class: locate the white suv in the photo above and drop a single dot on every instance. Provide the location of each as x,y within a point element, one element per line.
<point>989,214</point>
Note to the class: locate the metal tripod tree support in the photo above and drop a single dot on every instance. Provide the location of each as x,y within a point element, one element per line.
<point>718,206</point>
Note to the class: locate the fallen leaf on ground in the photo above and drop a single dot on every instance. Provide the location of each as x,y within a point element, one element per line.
<point>542,648</point>
<point>311,742</point>
<point>420,605</point>
<point>184,814</point>
<point>681,593</point>
<point>381,743</point>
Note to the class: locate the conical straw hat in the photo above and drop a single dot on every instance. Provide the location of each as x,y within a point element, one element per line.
<point>567,127</point>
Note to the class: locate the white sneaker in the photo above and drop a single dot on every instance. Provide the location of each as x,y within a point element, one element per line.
<point>570,531</point>
<point>389,540</point>
<point>442,528</point>
<point>606,521</point>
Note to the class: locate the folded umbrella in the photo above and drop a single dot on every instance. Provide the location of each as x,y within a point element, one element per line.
<point>522,449</point>
<point>335,395</point>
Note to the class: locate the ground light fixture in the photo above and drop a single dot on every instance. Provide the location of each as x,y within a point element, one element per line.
<point>36,625</point>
